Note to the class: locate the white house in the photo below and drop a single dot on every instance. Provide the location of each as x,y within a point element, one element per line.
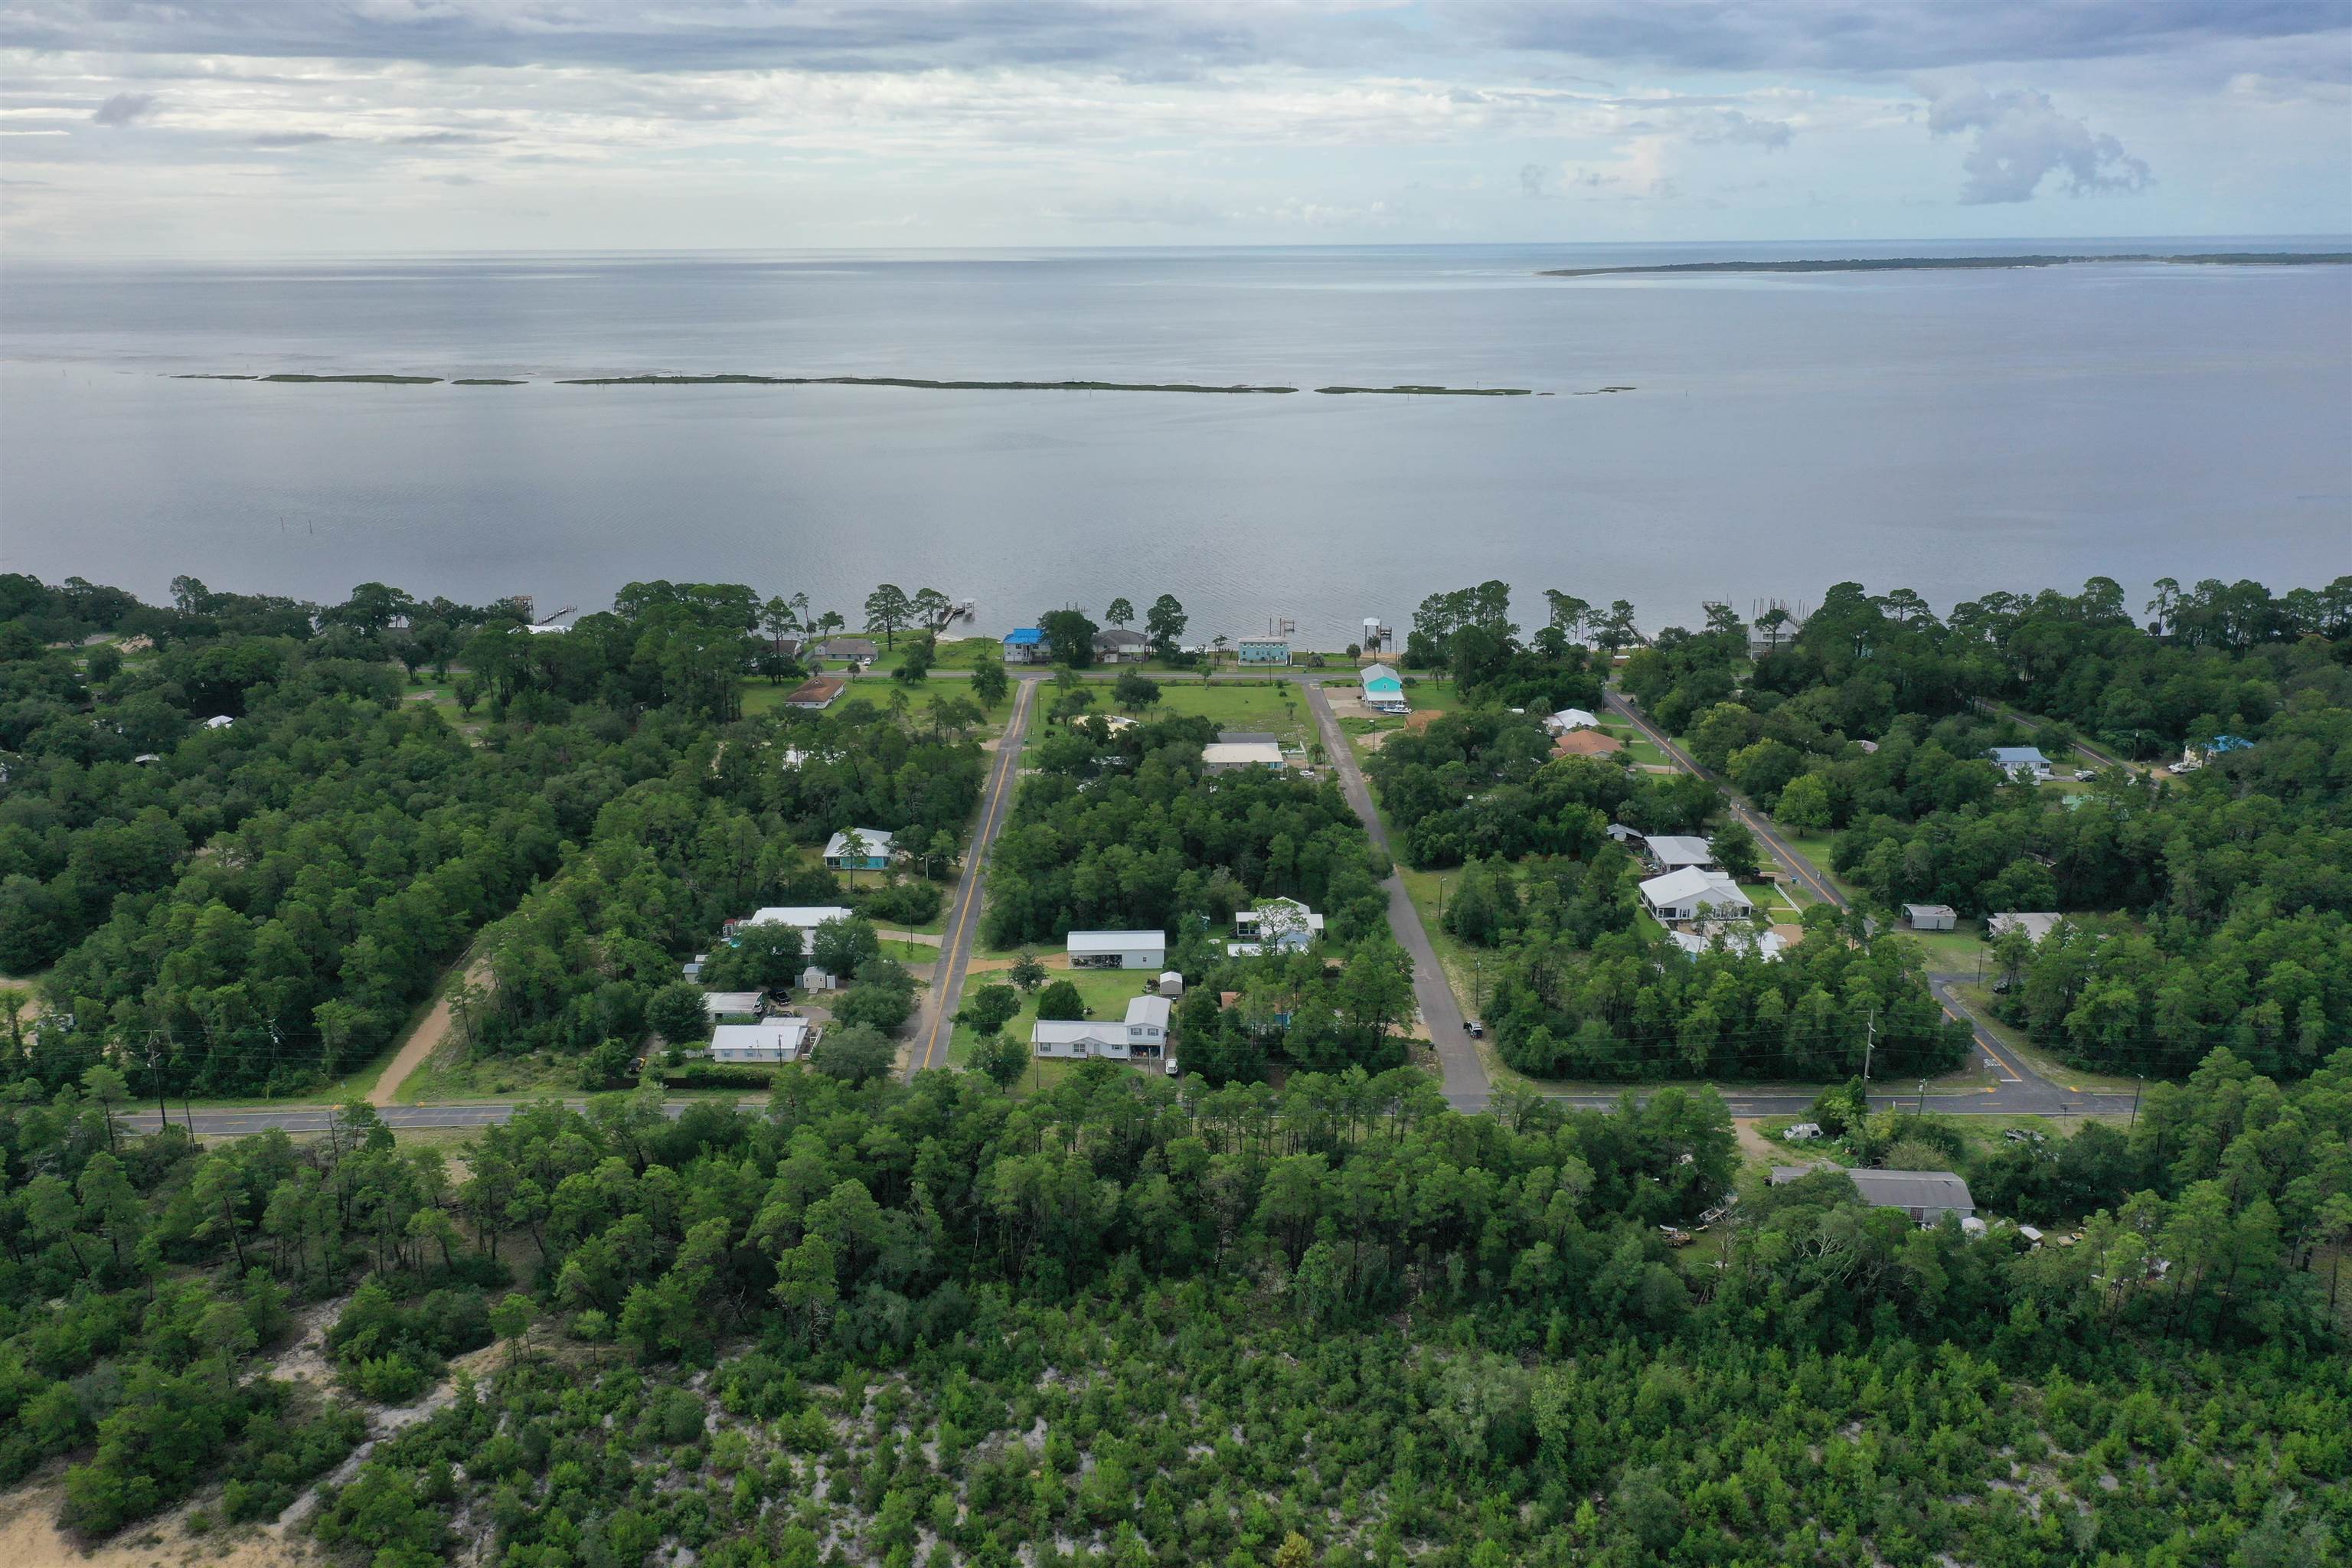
<point>2036,926</point>
<point>1119,950</point>
<point>1568,718</point>
<point>219,721</point>
<point>1274,925</point>
<point>2026,764</point>
<point>773,1041</point>
<point>870,852</point>
<point>1690,894</point>
<point>805,918</point>
<point>1142,1033</point>
<point>1223,756</point>
<point>1672,852</point>
<point>1929,917</point>
<point>732,1003</point>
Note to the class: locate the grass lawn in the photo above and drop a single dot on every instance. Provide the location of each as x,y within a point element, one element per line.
<point>1106,991</point>
<point>1815,848</point>
<point>918,957</point>
<point>1978,998</point>
<point>1639,747</point>
<point>450,1074</point>
<point>1458,958</point>
<point>1954,951</point>
<point>1278,706</point>
<point>960,652</point>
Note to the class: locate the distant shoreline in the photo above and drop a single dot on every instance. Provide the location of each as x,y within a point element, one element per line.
<point>916,384</point>
<point>1963,263</point>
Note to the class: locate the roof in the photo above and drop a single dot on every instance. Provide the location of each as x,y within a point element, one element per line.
<point>1913,1189</point>
<point>715,1003</point>
<point>819,689</point>
<point>1241,754</point>
<point>1586,743</point>
<point>1574,719</point>
<point>1381,672</point>
<point>1262,642</point>
<point>219,721</point>
<point>808,917</point>
<point>2019,757</point>
<point>1248,737</point>
<point>1934,912</point>
<point>845,647</point>
<point>1117,940</point>
<point>1023,636</point>
<point>1282,914</point>
<point>1764,944</point>
<point>2036,925</point>
<point>1692,885</point>
<point>1076,1032</point>
<point>783,1036</point>
<point>1117,637</point>
<point>876,841</point>
<point>1150,1011</point>
<point>1670,850</point>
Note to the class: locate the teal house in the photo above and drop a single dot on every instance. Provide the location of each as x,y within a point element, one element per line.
<point>1383,690</point>
<point>859,849</point>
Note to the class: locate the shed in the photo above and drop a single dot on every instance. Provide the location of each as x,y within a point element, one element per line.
<point>1929,917</point>
<point>1171,984</point>
<point>1119,950</point>
<point>772,1042</point>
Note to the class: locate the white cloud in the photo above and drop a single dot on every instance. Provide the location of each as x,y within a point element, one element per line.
<point>2020,138</point>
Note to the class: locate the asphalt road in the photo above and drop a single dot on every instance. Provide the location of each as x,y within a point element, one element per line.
<point>1468,1086</point>
<point>934,1025</point>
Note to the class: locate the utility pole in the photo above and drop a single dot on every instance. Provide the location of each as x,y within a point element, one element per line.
<point>1869,1044</point>
<point>163,1116</point>
<point>2140,1081</point>
<point>1923,1099</point>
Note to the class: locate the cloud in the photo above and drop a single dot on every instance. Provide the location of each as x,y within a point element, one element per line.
<point>1730,126</point>
<point>2021,139</point>
<point>1531,179</point>
<point>292,138</point>
<point>123,108</point>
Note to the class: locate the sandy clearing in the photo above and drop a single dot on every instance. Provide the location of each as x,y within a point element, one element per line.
<point>423,1043</point>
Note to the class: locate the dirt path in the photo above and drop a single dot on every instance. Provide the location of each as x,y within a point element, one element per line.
<point>421,1044</point>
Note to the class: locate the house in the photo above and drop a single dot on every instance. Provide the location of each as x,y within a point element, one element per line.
<point>1620,833</point>
<point>1282,925</point>
<point>1384,689</point>
<point>1224,756</point>
<point>2036,927</point>
<point>818,691</point>
<point>2025,765</point>
<point>849,651</point>
<point>1262,650</point>
<point>1926,1195</point>
<point>694,970</point>
<point>805,918</point>
<point>1148,1024</point>
<point>859,849</point>
<point>1764,944</point>
<point>1119,950</point>
<point>732,1003</point>
<point>1929,917</point>
<point>219,721</point>
<point>1169,984</point>
<point>1672,852</point>
<point>1248,737</point>
<point>1690,894</point>
<point>1568,718</point>
<point>1084,1037</point>
<point>1586,743</point>
<point>771,1042</point>
<point>1026,644</point>
<point>2194,756</point>
<point>1116,643</point>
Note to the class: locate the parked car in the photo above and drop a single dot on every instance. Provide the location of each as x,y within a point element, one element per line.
<point>1477,1030</point>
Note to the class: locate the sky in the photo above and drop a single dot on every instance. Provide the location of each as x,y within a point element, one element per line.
<point>162,127</point>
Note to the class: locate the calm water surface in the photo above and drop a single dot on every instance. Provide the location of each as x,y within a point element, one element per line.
<point>1951,432</point>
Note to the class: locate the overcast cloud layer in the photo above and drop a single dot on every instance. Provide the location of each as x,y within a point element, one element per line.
<point>291,126</point>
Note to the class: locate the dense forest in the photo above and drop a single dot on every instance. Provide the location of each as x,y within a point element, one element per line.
<point>248,853</point>
<point>1120,1322</point>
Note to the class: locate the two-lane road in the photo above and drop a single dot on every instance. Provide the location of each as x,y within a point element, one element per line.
<point>935,1024</point>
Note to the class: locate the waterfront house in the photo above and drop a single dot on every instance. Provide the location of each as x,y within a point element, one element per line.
<point>1262,650</point>
<point>1113,644</point>
<point>1384,689</point>
<point>1026,644</point>
<point>850,650</point>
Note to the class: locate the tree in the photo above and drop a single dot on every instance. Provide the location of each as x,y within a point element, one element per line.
<point>990,683</point>
<point>1135,691</point>
<point>1061,1002</point>
<point>677,1014</point>
<point>991,1008</point>
<point>1165,622</point>
<point>1002,1058</point>
<point>1027,972</point>
<point>854,1053</point>
<point>843,947</point>
<point>1070,635</point>
<point>1735,850</point>
<point>932,610</point>
<point>1120,613</point>
<point>1567,613</point>
<point>886,609</point>
<point>1616,630</point>
<point>915,668</point>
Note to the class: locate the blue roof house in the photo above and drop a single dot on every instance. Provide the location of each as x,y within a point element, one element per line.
<point>1025,644</point>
